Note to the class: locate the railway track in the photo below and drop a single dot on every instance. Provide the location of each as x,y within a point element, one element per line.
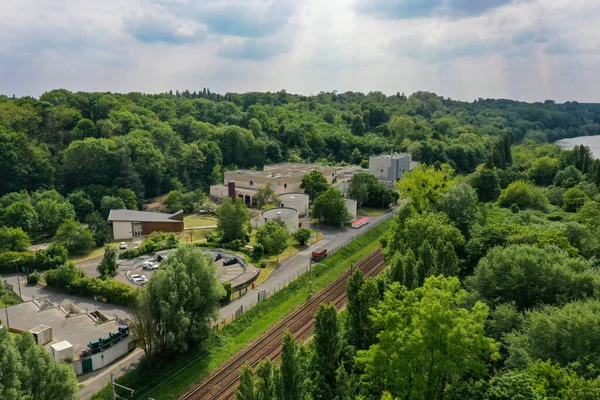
<point>222,383</point>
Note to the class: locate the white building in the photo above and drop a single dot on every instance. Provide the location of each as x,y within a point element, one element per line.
<point>289,216</point>
<point>389,168</point>
<point>299,201</point>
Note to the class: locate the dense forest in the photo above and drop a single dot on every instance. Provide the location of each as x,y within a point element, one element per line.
<point>494,281</point>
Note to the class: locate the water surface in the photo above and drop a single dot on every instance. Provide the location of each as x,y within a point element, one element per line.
<point>593,142</point>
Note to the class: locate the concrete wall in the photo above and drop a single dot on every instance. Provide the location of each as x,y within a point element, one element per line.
<point>103,359</point>
<point>122,230</point>
<point>291,221</point>
<point>299,202</point>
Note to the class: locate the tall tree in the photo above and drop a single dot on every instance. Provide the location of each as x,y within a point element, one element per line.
<point>313,184</point>
<point>429,338</point>
<point>327,350</point>
<point>292,369</point>
<point>266,196</point>
<point>265,381</point>
<point>232,220</point>
<point>330,208</point>
<point>424,185</point>
<point>246,390</point>
<point>108,266</point>
<point>273,236</point>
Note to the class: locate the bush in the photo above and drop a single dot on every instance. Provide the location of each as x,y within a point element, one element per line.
<point>10,260</point>
<point>77,238</point>
<point>70,279</point>
<point>573,199</point>
<point>258,252</point>
<point>228,291</point>
<point>33,279</point>
<point>261,263</point>
<point>302,236</point>
<point>53,257</point>
<point>237,244</point>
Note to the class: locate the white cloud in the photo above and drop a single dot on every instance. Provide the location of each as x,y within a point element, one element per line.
<point>524,49</point>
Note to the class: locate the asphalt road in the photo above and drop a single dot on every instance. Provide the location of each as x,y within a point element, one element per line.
<point>297,264</point>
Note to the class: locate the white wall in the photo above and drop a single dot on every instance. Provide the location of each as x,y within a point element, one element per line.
<point>122,230</point>
<point>101,360</point>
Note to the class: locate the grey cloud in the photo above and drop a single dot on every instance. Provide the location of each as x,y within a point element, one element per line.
<point>254,49</point>
<point>406,9</point>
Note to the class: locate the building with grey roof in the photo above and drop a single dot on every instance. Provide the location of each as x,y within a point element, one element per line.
<point>128,224</point>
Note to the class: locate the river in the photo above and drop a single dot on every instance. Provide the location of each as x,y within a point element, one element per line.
<point>593,142</point>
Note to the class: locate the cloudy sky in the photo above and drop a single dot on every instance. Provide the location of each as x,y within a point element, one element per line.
<point>464,49</point>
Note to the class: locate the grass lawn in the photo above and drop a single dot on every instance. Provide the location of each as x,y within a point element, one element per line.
<point>97,252</point>
<point>370,211</point>
<point>195,235</point>
<point>9,298</point>
<point>173,378</point>
<point>195,220</point>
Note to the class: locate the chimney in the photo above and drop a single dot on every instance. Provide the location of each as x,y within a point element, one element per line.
<point>231,190</point>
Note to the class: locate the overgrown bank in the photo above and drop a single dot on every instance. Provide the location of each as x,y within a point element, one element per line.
<point>175,377</point>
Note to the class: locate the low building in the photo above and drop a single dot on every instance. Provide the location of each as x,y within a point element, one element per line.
<point>128,224</point>
<point>389,168</point>
<point>284,178</point>
<point>289,216</point>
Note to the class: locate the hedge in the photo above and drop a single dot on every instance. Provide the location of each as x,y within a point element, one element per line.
<point>156,242</point>
<point>72,280</point>
<point>9,260</point>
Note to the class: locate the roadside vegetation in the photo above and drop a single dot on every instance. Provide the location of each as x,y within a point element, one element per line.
<point>173,378</point>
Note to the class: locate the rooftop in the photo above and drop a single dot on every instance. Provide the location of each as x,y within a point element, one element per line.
<point>392,156</point>
<point>142,216</point>
<point>282,212</point>
<point>284,170</point>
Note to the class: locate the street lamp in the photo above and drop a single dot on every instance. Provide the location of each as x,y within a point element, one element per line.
<point>18,281</point>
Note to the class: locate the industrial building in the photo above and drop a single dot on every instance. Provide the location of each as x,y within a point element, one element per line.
<point>128,224</point>
<point>284,178</point>
<point>299,201</point>
<point>389,168</point>
<point>287,215</point>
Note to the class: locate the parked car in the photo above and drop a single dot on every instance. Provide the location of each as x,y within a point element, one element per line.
<point>149,266</point>
<point>218,257</point>
<point>123,246</point>
<point>230,261</point>
<point>134,276</point>
<point>161,257</point>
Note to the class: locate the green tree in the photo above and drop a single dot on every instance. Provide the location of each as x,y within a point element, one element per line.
<point>266,195</point>
<point>292,369</point>
<point>144,326</point>
<point>524,195</point>
<point>273,236</point>
<point>362,295</point>
<point>75,237</point>
<point>99,227</point>
<point>573,199</point>
<point>424,185</point>
<point>108,266</point>
<point>589,214</point>
<point>529,275</point>
<point>21,214</point>
<point>111,203</point>
<point>52,214</point>
<point>302,236</point>
<point>13,239</point>
<point>246,390</point>
<point>487,184</point>
<point>358,187</point>
<point>429,338</point>
<point>232,220</point>
<point>184,298</point>
<point>330,208</point>
<point>314,184</point>
<point>82,204</point>
<point>327,351</point>
<point>510,386</point>
<point>265,381</point>
<point>544,169</point>
<point>568,177</point>
<point>460,205</point>
<point>53,257</point>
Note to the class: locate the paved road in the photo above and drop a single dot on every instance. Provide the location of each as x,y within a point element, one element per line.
<point>289,268</point>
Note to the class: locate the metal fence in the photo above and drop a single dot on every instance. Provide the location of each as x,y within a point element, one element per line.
<point>265,294</point>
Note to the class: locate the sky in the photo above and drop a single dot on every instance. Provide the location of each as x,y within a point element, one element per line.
<point>529,50</point>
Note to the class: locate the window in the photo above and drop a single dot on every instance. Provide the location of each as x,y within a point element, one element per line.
<point>381,170</point>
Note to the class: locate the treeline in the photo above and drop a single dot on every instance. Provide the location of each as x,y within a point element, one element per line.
<point>493,292</point>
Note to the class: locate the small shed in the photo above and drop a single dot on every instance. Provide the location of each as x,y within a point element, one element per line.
<point>62,351</point>
<point>42,334</point>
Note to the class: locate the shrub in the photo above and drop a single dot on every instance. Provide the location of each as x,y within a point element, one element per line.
<point>573,199</point>
<point>302,236</point>
<point>525,195</point>
<point>258,252</point>
<point>156,242</point>
<point>10,260</point>
<point>53,257</point>
<point>261,263</point>
<point>237,244</point>
<point>33,279</point>
<point>228,291</point>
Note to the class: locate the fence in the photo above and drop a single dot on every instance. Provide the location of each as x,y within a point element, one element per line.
<point>263,294</point>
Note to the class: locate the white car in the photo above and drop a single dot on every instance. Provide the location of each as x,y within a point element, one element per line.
<point>123,246</point>
<point>149,266</point>
<point>133,277</point>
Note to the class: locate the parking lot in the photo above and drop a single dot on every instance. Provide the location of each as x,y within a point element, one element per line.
<point>225,273</point>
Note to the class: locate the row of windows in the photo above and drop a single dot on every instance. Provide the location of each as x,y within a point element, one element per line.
<point>284,185</point>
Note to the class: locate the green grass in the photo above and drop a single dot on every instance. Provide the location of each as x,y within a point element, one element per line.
<point>195,220</point>
<point>9,298</point>
<point>175,377</point>
<point>370,211</point>
<point>97,252</point>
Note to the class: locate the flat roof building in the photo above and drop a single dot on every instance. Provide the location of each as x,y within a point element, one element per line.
<point>128,224</point>
<point>389,168</point>
<point>283,177</point>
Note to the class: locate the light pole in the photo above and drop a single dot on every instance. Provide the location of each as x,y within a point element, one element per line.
<point>18,281</point>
